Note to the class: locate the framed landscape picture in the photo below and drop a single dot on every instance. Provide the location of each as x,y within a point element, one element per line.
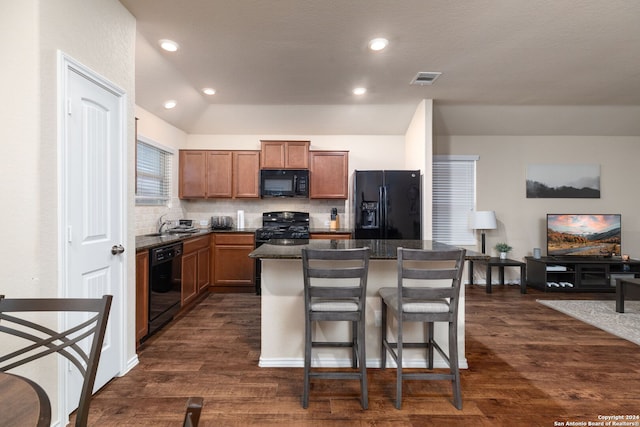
<point>563,181</point>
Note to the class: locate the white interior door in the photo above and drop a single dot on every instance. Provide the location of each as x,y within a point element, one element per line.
<point>93,219</point>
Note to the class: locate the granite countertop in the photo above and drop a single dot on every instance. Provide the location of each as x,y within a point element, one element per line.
<point>380,249</point>
<point>145,242</point>
<point>330,231</point>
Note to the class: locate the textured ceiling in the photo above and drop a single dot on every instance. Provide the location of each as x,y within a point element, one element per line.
<point>288,66</point>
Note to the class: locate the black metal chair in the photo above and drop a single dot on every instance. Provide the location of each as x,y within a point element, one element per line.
<point>192,413</point>
<point>43,340</point>
<point>421,295</point>
<point>335,289</point>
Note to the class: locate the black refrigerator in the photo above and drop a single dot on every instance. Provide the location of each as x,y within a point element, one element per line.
<point>388,204</point>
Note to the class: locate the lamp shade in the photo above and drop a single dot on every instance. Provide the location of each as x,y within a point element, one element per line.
<point>482,220</point>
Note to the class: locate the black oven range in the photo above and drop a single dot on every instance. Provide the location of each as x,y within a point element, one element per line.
<point>281,228</point>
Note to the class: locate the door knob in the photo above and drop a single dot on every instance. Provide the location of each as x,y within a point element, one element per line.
<point>117,249</point>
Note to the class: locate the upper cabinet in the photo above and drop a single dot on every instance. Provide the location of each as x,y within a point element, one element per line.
<point>284,154</point>
<point>219,174</point>
<point>192,182</point>
<point>246,174</point>
<point>329,174</point>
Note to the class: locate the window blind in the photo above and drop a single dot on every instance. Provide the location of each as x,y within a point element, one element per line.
<point>153,175</point>
<point>454,195</point>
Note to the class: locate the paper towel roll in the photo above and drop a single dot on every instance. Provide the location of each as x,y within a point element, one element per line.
<point>240,220</point>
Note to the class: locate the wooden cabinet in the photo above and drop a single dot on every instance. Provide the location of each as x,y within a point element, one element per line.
<point>189,278</point>
<point>331,236</point>
<point>246,174</point>
<point>195,267</point>
<point>219,174</point>
<point>328,174</point>
<point>142,294</point>
<point>284,154</point>
<point>192,182</point>
<point>233,270</point>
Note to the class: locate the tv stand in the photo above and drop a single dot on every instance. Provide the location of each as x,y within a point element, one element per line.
<point>579,274</point>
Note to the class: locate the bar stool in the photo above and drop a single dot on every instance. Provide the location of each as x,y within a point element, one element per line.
<point>335,288</point>
<point>412,301</point>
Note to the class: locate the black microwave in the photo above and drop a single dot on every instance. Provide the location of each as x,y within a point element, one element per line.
<point>284,183</point>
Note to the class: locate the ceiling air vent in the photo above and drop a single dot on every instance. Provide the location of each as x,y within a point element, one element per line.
<point>425,78</point>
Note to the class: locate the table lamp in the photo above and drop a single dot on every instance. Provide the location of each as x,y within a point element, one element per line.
<point>483,221</point>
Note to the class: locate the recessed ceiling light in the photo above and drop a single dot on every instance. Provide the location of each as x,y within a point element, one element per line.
<point>169,45</point>
<point>359,91</point>
<point>378,44</point>
<point>209,91</point>
<point>170,104</point>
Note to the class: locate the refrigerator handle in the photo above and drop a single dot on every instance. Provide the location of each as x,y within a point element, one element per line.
<point>383,209</point>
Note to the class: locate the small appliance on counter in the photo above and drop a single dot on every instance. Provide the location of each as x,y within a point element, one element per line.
<point>184,226</point>
<point>221,222</point>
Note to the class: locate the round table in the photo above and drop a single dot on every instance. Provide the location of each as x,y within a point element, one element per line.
<point>23,402</point>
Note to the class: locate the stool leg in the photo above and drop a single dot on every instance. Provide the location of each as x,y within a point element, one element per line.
<point>429,340</point>
<point>399,369</point>
<point>355,342</point>
<point>383,340</point>
<point>453,365</point>
<point>362,360</point>
<point>307,362</point>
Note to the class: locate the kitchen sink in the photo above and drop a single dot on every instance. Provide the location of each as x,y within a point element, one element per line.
<point>169,233</point>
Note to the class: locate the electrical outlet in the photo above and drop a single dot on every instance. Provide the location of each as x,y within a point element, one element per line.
<point>204,222</point>
<point>377,317</point>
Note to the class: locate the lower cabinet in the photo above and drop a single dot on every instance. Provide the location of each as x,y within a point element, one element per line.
<point>142,294</point>
<point>233,270</point>
<point>195,267</point>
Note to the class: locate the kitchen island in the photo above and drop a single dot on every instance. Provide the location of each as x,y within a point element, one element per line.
<point>282,305</point>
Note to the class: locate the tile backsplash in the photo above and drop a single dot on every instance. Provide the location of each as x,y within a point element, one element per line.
<point>202,210</point>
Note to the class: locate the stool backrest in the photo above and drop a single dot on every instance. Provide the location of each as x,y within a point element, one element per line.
<point>43,340</point>
<point>335,264</point>
<point>430,274</point>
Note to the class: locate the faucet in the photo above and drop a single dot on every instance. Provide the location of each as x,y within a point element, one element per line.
<point>162,223</point>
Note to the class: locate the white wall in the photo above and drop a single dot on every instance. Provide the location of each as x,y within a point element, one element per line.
<point>419,146</point>
<point>19,165</point>
<point>501,178</point>
<point>101,35</point>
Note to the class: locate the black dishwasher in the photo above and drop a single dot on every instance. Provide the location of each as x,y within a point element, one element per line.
<point>165,285</point>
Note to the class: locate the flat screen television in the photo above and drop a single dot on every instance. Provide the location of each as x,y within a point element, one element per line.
<point>586,235</point>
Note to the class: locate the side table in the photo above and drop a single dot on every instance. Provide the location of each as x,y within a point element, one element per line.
<point>621,284</point>
<point>501,264</point>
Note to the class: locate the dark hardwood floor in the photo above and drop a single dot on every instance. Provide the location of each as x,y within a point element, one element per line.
<point>528,366</point>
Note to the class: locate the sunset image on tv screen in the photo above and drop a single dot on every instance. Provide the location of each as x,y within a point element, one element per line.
<point>583,234</point>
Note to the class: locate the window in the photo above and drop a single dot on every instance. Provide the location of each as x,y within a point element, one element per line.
<point>153,173</point>
<point>454,195</point>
